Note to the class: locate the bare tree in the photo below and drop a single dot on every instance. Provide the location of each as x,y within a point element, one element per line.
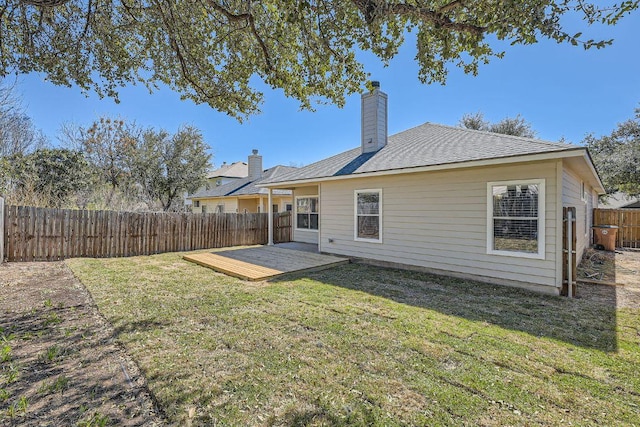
<point>18,135</point>
<point>107,145</point>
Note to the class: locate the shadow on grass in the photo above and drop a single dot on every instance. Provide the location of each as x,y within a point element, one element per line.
<point>123,327</point>
<point>587,321</point>
<point>51,379</point>
<point>314,415</point>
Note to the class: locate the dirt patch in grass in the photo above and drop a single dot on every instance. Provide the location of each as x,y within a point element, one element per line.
<point>59,361</point>
<point>621,267</point>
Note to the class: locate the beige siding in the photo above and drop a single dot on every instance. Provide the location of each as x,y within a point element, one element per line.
<point>233,204</point>
<point>280,201</point>
<point>250,205</point>
<point>438,220</point>
<point>230,205</point>
<point>305,236</point>
<point>572,197</point>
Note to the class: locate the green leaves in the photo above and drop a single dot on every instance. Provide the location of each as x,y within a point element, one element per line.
<point>617,157</point>
<point>138,165</point>
<point>516,126</point>
<point>166,166</point>
<point>214,52</point>
<point>47,177</point>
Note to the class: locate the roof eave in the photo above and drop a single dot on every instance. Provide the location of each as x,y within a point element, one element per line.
<point>601,190</point>
<point>570,152</point>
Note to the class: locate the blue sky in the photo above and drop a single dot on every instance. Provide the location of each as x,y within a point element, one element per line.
<point>564,91</point>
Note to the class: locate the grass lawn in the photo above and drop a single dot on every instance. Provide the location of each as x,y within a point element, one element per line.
<point>360,345</point>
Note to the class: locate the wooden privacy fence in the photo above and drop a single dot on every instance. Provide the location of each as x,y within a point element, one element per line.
<point>628,222</point>
<point>282,227</point>
<point>38,234</point>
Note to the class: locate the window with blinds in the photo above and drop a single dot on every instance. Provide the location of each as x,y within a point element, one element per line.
<point>515,214</point>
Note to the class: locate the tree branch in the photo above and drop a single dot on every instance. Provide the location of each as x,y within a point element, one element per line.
<point>184,69</point>
<point>249,19</point>
<point>371,9</point>
<point>448,7</point>
<point>45,3</point>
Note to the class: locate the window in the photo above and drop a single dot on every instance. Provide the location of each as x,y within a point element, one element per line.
<point>368,215</point>
<point>307,213</point>
<point>289,207</point>
<point>274,208</point>
<point>196,203</point>
<point>515,213</point>
<point>204,208</point>
<point>220,208</point>
<point>586,221</point>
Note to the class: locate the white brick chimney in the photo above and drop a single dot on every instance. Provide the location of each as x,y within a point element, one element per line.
<point>255,165</point>
<point>374,119</point>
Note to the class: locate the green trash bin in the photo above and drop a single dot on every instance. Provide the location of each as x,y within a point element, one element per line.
<point>605,236</point>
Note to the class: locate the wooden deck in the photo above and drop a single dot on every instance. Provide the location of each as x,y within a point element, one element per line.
<point>264,262</point>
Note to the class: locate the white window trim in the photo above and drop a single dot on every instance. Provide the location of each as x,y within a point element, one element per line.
<point>586,220</point>
<point>541,219</point>
<point>295,212</point>
<point>355,215</point>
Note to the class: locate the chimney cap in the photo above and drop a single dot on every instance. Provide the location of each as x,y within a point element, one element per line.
<point>375,83</point>
<point>254,151</point>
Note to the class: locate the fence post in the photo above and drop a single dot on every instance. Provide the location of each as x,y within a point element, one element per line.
<point>1,230</point>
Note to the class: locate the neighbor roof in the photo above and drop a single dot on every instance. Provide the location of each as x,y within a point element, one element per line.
<point>619,200</point>
<point>244,186</point>
<point>425,145</point>
<point>234,170</point>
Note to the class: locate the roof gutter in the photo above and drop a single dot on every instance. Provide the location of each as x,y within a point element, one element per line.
<point>572,152</point>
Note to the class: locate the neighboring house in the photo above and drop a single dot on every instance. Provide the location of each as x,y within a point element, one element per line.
<point>228,192</point>
<point>619,200</point>
<point>228,173</point>
<point>448,200</point>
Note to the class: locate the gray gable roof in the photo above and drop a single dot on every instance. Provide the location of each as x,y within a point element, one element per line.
<point>425,145</point>
<point>244,186</point>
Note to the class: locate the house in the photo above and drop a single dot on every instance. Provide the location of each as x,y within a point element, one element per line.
<point>228,173</point>
<point>619,200</point>
<point>447,200</point>
<point>229,190</point>
<point>223,175</point>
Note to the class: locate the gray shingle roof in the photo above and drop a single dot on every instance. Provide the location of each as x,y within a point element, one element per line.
<point>244,186</point>
<point>425,145</point>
